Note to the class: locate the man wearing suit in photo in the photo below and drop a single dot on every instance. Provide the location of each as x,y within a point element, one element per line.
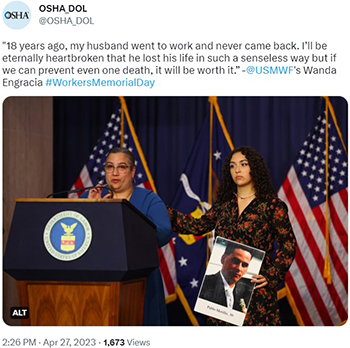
<point>227,287</point>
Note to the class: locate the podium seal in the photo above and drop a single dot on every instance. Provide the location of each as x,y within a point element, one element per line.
<point>67,235</point>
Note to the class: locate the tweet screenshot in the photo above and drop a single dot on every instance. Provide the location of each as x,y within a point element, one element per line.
<point>174,172</point>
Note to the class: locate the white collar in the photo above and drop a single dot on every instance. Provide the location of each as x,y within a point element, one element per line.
<point>226,286</point>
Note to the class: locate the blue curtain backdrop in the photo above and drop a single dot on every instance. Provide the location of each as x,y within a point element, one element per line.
<point>167,129</point>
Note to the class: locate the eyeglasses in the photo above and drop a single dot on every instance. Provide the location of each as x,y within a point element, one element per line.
<point>121,169</point>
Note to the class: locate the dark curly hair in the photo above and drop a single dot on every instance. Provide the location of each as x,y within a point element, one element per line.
<point>258,170</point>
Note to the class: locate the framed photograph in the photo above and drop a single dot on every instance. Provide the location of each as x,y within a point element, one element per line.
<point>226,289</point>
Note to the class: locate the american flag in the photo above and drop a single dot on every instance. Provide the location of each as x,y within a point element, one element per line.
<point>120,132</point>
<point>319,294</point>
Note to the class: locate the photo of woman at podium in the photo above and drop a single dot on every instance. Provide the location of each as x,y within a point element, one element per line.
<point>119,174</point>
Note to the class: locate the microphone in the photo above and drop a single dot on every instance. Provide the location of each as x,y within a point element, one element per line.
<point>79,190</point>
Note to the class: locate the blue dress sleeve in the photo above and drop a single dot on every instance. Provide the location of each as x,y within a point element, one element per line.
<point>158,214</point>
<point>153,207</point>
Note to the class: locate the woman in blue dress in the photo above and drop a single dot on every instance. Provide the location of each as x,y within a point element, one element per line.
<point>120,171</point>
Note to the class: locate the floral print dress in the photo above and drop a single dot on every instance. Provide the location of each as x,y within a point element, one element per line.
<point>262,223</point>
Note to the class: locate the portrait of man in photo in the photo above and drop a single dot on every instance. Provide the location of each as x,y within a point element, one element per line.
<point>228,287</point>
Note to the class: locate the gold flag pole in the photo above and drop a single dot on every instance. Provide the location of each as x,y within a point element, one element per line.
<point>327,265</point>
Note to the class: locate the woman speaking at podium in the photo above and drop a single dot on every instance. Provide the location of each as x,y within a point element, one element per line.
<point>119,171</point>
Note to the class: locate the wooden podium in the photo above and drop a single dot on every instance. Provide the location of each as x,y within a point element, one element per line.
<point>105,285</point>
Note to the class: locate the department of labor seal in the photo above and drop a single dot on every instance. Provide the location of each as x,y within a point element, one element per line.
<point>67,235</point>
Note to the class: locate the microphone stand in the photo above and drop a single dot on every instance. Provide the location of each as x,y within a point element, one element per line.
<point>79,190</point>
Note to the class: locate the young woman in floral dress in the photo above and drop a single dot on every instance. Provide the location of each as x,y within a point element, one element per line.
<point>248,211</point>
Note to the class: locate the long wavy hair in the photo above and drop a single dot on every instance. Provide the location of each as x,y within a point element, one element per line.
<point>258,170</point>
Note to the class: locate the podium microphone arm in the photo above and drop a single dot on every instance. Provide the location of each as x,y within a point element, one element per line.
<point>79,190</point>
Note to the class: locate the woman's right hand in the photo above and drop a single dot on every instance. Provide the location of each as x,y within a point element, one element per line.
<point>96,192</point>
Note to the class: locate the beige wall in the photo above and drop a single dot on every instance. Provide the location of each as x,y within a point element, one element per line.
<point>27,164</point>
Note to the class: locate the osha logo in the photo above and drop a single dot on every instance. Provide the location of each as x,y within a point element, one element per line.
<point>16,15</point>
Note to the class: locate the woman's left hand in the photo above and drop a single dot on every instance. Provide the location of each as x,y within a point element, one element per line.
<point>260,281</point>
